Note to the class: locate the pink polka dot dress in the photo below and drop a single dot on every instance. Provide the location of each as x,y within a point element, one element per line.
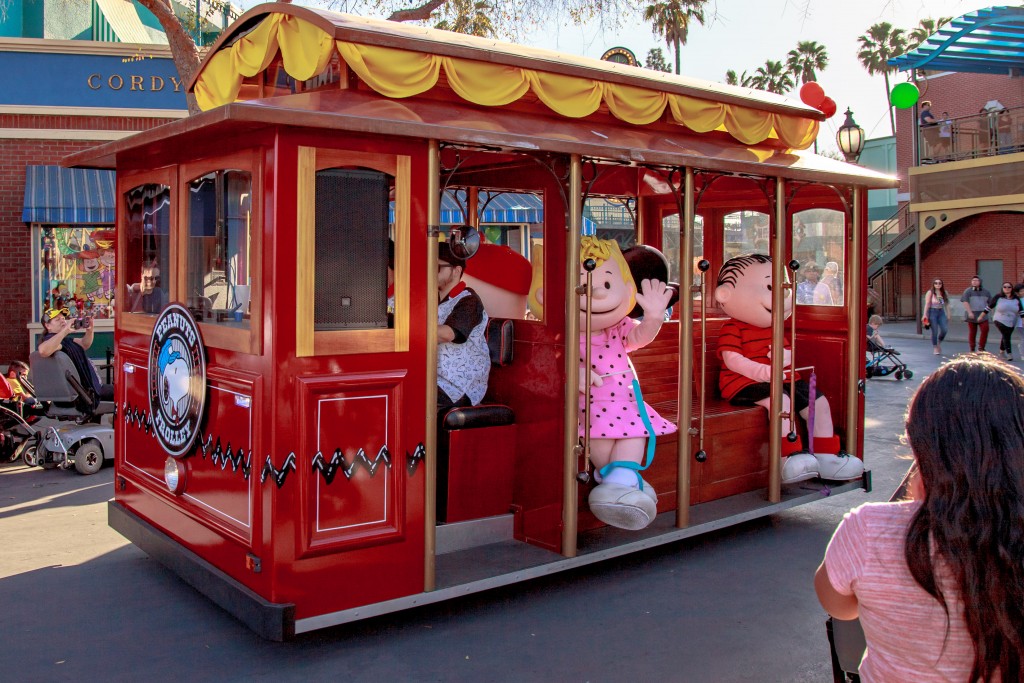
<point>615,414</point>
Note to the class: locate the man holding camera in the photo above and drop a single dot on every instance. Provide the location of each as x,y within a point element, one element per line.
<point>58,328</point>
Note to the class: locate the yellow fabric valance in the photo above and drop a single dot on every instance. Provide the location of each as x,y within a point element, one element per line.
<point>306,51</point>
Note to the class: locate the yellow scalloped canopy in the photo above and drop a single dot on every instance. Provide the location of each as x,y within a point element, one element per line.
<point>306,50</point>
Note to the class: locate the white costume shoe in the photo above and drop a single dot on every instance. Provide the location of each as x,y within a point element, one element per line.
<point>839,467</point>
<point>799,467</point>
<point>624,507</point>
<point>649,490</point>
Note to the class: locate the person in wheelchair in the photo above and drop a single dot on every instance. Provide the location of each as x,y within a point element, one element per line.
<point>59,328</point>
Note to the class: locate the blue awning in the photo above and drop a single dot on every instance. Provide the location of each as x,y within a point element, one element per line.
<point>502,207</point>
<point>68,195</point>
<point>988,41</point>
<point>509,208</point>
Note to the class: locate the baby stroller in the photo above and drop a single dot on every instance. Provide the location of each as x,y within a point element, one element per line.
<point>884,360</point>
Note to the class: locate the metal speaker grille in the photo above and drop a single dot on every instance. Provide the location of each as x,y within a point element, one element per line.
<point>350,283</point>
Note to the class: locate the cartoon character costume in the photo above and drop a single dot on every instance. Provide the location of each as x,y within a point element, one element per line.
<point>619,427</point>
<point>744,293</point>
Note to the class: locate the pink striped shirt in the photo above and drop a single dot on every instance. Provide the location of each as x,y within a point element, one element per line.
<point>905,628</point>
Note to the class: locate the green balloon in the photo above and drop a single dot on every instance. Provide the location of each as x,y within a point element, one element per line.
<point>904,95</point>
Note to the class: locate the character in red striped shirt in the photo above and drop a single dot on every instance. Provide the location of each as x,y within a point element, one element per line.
<point>744,292</point>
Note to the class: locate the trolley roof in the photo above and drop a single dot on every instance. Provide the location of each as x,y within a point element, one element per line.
<point>399,60</point>
<point>575,104</point>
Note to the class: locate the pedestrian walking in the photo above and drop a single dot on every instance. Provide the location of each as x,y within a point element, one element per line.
<point>936,314</point>
<point>975,301</point>
<point>1018,291</point>
<point>1005,309</point>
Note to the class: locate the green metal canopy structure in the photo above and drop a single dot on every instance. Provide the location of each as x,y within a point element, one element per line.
<point>987,41</point>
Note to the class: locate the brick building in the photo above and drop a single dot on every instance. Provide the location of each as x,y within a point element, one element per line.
<point>75,75</point>
<point>83,93</point>
<point>962,192</point>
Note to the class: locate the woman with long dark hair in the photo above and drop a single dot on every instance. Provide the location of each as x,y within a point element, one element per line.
<point>1005,309</point>
<point>938,581</point>
<point>936,314</point>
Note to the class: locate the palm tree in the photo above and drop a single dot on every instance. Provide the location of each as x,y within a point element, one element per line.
<point>925,28</point>
<point>656,60</point>
<point>806,60</point>
<point>671,20</point>
<point>744,80</point>
<point>881,43</point>
<point>468,16</point>
<point>772,77</point>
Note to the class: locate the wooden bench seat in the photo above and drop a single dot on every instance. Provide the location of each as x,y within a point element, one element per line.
<point>735,437</point>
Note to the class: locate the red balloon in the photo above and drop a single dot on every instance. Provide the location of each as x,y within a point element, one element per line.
<point>812,94</point>
<point>828,107</point>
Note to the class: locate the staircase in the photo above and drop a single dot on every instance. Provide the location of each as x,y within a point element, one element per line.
<point>889,240</point>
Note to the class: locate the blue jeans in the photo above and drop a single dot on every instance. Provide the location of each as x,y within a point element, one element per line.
<point>939,323</point>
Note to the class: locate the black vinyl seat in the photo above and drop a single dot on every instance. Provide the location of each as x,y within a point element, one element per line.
<point>57,384</point>
<point>463,432</point>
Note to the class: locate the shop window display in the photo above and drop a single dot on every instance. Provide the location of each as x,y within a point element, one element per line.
<point>77,267</point>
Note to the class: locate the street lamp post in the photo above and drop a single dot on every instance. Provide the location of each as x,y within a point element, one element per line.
<point>850,138</point>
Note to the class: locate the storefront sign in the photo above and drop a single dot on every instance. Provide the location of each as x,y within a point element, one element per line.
<point>88,80</point>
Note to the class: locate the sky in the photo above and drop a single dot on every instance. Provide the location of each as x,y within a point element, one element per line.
<point>742,34</point>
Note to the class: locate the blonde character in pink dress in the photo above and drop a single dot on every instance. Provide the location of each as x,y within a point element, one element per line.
<point>617,430</point>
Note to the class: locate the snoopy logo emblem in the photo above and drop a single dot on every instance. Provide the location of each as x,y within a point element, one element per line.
<point>177,380</point>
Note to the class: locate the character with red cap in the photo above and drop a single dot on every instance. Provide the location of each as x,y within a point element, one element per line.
<point>501,277</point>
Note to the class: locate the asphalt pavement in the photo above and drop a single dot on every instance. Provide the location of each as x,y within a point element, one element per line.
<point>79,603</point>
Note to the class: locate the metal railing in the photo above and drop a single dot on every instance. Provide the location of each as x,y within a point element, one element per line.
<point>890,232</point>
<point>986,133</point>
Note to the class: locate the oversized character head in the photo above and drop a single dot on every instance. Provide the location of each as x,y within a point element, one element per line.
<point>614,289</point>
<point>501,277</point>
<point>647,263</point>
<point>745,290</point>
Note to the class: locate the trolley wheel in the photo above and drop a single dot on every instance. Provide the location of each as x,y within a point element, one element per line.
<point>89,457</point>
<point>869,372</point>
<point>30,456</point>
<point>908,373</point>
<point>899,374</point>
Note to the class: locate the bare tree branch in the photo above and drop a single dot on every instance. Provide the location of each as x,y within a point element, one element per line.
<point>421,13</point>
<point>183,47</point>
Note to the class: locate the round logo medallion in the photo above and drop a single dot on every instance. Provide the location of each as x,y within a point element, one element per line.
<point>177,380</point>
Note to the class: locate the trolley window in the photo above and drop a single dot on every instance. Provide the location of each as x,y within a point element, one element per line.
<point>219,249</point>
<point>745,232</point>
<point>218,277</point>
<point>819,246</point>
<point>146,258</point>
<point>670,244</point>
<point>355,297</point>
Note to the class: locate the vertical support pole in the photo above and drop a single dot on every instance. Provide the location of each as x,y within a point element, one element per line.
<point>917,306</point>
<point>430,461</point>
<point>855,322</point>
<point>570,495</point>
<point>778,249</point>
<point>684,415</point>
